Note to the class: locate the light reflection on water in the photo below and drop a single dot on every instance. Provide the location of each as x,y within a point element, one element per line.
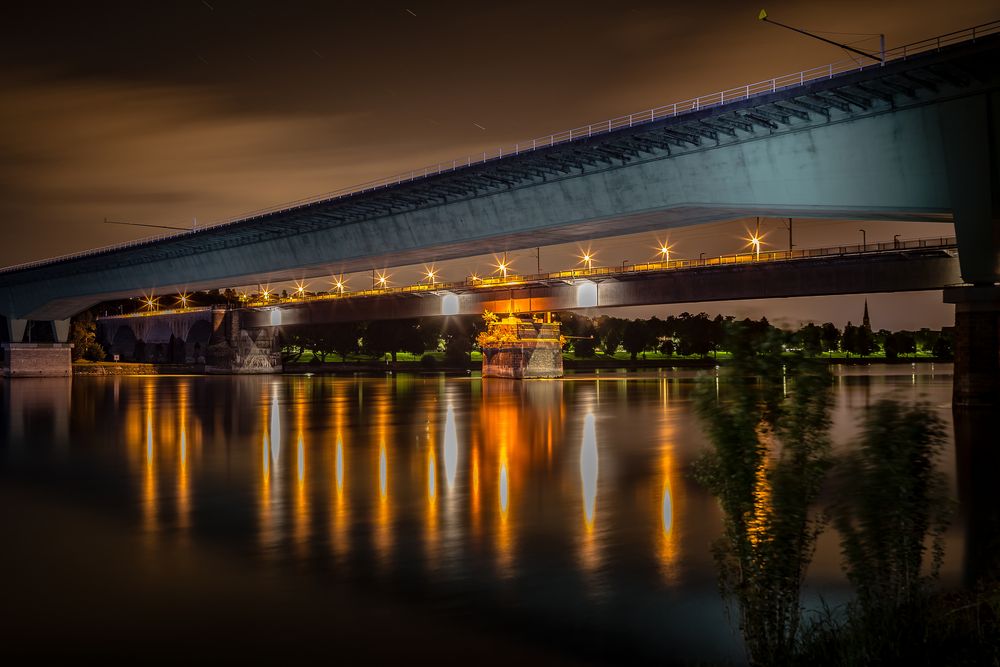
<point>569,501</point>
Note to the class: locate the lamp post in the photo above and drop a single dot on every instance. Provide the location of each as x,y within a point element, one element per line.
<point>864,238</point>
<point>624,262</point>
<point>895,240</point>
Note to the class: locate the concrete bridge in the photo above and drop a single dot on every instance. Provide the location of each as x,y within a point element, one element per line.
<point>195,334</point>
<point>915,138</point>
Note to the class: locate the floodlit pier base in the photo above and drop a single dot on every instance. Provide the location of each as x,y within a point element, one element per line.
<point>977,345</point>
<point>36,360</point>
<point>536,354</point>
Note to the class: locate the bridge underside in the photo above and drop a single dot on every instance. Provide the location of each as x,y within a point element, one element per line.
<point>908,141</point>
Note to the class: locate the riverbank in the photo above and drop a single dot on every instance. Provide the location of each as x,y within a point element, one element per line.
<point>569,364</point>
<point>106,368</point>
<point>103,368</point>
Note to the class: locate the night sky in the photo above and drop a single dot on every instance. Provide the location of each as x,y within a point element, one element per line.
<point>163,113</point>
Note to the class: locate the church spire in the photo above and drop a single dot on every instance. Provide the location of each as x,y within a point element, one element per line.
<point>865,322</point>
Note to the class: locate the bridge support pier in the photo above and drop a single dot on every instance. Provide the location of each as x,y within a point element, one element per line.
<point>35,359</point>
<point>237,351</point>
<point>977,345</point>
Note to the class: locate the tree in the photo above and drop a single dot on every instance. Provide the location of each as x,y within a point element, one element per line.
<point>864,341</point>
<point>830,337</point>
<point>343,338</point>
<point>610,330</point>
<point>770,453</point>
<point>849,339</point>
<point>810,339</point>
<point>942,348</point>
<point>586,345</point>
<point>696,333</point>
<point>411,339</point>
<point>83,336</point>
<point>635,337</point>
<point>381,337</point>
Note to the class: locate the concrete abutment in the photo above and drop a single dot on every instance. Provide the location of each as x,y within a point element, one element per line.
<point>977,345</point>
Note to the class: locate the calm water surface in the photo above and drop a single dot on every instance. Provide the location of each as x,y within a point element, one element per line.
<point>419,514</point>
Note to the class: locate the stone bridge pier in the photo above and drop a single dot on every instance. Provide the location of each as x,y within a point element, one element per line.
<point>213,337</point>
<point>971,129</point>
<point>35,348</point>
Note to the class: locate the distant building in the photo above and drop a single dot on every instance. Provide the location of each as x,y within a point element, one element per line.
<point>865,322</point>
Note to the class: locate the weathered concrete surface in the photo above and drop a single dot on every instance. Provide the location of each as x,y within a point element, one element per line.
<point>36,360</point>
<point>926,155</point>
<point>977,345</point>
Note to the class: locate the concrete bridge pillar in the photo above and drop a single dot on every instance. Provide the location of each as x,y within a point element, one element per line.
<point>238,350</point>
<point>49,358</point>
<point>971,129</point>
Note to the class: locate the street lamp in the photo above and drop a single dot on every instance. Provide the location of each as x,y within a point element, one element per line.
<point>430,274</point>
<point>587,259</point>
<point>502,266</point>
<point>624,262</point>
<point>664,251</point>
<point>754,241</point>
<point>864,238</point>
<point>340,284</point>
<point>895,240</point>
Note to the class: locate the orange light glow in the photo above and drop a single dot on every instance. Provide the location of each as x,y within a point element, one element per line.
<point>663,249</point>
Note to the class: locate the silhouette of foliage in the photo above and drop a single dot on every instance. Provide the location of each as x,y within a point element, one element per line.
<point>770,454</point>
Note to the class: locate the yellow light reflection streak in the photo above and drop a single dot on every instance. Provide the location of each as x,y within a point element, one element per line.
<point>590,552</point>
<point>383,519</point>
<point>667,500</point>
<point>149,489</point>
<point>302,509</point>
<point>183,482</point>
<point>450,448</point>
<point>340,529</point>
<point>270,485</point>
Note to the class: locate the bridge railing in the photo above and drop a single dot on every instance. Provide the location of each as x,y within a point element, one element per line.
<point>674,109</point>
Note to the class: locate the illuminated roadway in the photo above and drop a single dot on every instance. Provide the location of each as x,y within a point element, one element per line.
<point>922,264</point>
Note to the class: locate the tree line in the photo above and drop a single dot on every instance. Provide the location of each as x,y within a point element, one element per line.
<point>586,337</point>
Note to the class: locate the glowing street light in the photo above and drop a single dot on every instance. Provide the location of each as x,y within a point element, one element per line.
<point>587,259</point>
<point>300,288</point>
<point>755,239</point>
<point>265,292</point>
<point>502,266</point>
<point>183,298</point>
<point>430,274</point>
<point>150,302</point>
<point>340,284</point>
<point>664,251</point>
<point>380,279</point>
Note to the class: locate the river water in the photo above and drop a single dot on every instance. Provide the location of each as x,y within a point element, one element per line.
<point>396,517</point>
